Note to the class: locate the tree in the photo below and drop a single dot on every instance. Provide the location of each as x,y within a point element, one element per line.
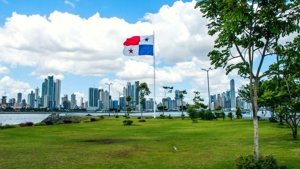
<point>288,71</point>
<point>167,89</point>
<point>197,101</point>
<point>128,106</point>
<point>143,90</point>
<point>181,96</point>
<point>238,113</point>
<point>244,30</point>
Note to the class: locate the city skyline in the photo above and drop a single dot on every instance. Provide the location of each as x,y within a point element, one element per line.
<point>83,48</point>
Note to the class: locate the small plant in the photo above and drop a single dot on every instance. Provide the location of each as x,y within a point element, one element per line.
<point>29,123</point>
<point>230,115</point>
<point>117,116</point>
<point>22,125</point>
<point>263,162</point>
<point>139,117</point>
<point>67,121</point>
<point>142,120</point>
<point>49,122</point>
<point>6,126</point>
<point>127,122</point>
<point>92,119</point>
<point>101,117</point>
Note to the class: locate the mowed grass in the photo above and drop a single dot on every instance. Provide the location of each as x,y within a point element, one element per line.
<point>108,144</point>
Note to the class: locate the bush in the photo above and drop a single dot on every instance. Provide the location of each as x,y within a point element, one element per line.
<point>139,117</point>
<point>142,120</point>
<point>101,117</point>
<point>49,122</point>
<point>22,125</point>
<point>6,126</point>
<point>67,121</point>
<point>273,120</point>
<point>40,124</point>
<point>29,123</point>
<point>267,162</point>
<point>92,119</point>
<point>117,116</point>
<point>127,122</point>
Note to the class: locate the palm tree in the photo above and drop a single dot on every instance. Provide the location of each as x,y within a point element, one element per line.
<point>143,89</point>
<point>181,96</point>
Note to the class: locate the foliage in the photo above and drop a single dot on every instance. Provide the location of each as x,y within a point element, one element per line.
<point>238,113</point>
<point>244,30</point>
<point>181,96</point>
<point>127,122</point>
<point>49,122</point>
<point>6,126</point>
<point>198,101</point>
<point>143,89</point>
<point>219,108</point>
<point>192,112</point>
<point>267,162</point>
<point>92,119</point>
<point>230,115</point>
<point>223,115</point>
<point>26,124</point>
<point>67,121</point>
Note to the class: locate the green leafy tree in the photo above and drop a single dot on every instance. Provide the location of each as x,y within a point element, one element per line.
<point>167,89</point>
<point>181,96</point>
<point>238,113</point>
<point>128,106</point>
<point>245,29</point>
<point>288,69</point>
<point>143,90</point>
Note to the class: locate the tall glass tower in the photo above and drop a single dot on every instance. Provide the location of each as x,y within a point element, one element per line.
<point>232,94</point>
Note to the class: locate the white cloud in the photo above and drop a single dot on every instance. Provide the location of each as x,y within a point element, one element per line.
<point>3,69</point>
<point>69,3</point>
<point>11,87</point>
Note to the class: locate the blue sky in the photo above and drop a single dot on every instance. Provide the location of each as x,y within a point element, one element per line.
<point>81,43</point>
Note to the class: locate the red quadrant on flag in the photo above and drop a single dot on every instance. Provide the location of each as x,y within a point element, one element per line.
<point>135,40</point>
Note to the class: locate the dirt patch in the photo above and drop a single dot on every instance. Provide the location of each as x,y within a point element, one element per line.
<point>108,141</point>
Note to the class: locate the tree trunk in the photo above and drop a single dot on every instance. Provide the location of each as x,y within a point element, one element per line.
<point>255,120</point>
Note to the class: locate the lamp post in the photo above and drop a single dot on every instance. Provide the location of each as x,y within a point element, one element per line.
<point>207,70</point>
<point>109,97</point>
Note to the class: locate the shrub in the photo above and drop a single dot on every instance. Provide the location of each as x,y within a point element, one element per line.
<point>127,122</point>
<point>6,126</point>
<point>273,120</point>
<point>49,122</point>
<point>22,125</point>
<point>29,123</point>
<point>139,117</point>
<point>230,115</point>
<point>67,121</point>
<point>101,117</point>
<point>142,120</point>
<point>92,119</point>
<point>117,116</point>
<point>40,124</point>
<point>209,115</point>
<point>263,162</point>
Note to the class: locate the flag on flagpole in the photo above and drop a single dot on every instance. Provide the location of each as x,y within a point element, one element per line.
<point>139,45</point>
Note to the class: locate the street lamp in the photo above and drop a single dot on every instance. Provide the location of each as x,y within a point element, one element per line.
<point>207,70</point>
<point>109,97</point>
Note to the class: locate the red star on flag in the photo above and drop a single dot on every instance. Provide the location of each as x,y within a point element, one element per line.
<point>130,51</point>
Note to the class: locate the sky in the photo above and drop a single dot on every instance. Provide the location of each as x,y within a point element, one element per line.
<point>80,42</point>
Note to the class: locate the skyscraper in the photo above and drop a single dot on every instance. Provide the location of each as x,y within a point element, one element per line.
<point>73,101</point>
<point>37,98</point>
<point>19,98</point>
<point>57,92</point>
<point>232,94</point>
<point>93,98</point>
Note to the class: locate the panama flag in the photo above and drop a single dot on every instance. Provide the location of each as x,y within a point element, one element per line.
<point>139,45</point>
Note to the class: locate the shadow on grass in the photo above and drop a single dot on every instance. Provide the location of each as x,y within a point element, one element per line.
<point>108,141</point>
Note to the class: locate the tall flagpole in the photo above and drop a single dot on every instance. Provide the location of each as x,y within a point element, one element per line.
<point>154,108</point>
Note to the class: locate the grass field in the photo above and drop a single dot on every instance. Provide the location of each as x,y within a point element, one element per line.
<point>108,144</point>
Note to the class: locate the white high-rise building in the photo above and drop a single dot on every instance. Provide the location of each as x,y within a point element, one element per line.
<point>57,92</point>
<point>73,101</point>
<point>232,94</point>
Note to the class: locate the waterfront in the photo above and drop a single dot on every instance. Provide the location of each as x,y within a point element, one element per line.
<point>17,117</point>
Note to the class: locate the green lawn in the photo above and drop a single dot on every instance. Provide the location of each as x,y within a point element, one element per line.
<point>108,144</point>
